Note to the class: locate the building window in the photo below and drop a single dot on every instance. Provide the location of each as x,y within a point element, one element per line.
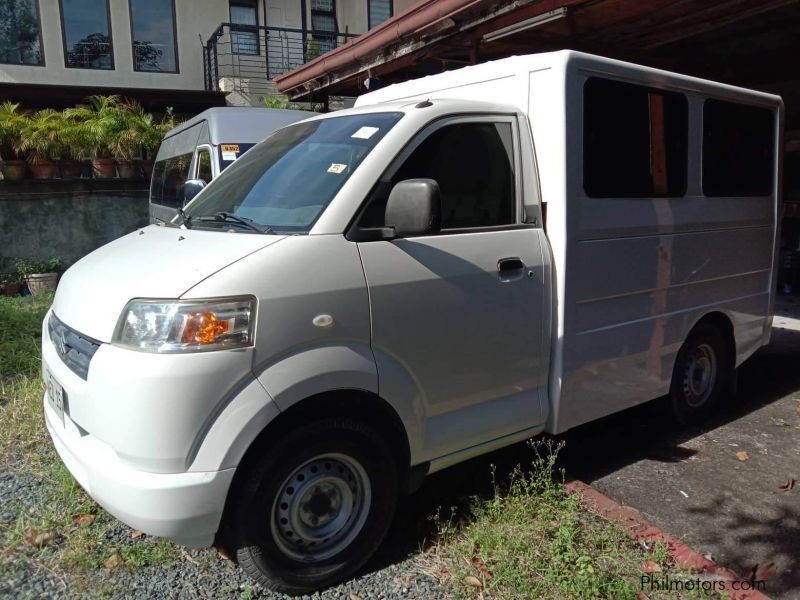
<point>20,33</point>
<point>635,140</point>
<point>323,24</point>
<point>379,11</point>
<point>86,31</point>
<point>738,149</point>
<point>244,40</point>
<point>153,33</point>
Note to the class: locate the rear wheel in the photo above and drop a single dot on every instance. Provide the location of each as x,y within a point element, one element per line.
<point>315,507</point>
<point>700,376</point>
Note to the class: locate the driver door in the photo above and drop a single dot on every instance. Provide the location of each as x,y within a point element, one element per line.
<point>460,311</point>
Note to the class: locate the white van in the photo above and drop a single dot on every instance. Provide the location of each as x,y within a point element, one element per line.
<point>456,264</point>
<point>197,150</point>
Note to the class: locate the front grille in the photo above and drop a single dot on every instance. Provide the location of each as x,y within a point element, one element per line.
<point>74,349</point>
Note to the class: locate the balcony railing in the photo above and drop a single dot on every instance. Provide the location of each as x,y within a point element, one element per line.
<point>245,58</point>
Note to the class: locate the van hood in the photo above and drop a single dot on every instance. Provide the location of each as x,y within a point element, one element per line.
<point>153,262</point>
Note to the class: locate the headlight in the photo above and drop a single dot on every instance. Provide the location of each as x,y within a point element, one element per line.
<point>186,325</point>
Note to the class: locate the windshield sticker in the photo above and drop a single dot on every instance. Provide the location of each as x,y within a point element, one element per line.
<point>229,151</point>
<point>365,133</point>
<point>337,168</point>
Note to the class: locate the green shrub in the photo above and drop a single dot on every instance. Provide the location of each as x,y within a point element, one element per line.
<point>30,266</point>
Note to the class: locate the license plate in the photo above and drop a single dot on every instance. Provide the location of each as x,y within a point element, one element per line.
<point>55,396</point>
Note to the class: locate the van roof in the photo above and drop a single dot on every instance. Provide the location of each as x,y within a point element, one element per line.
<point>241,124</point>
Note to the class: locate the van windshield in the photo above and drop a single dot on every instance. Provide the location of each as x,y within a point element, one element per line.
<point>286,181</point>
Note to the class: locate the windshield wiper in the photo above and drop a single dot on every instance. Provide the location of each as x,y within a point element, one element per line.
<point>226,217</point>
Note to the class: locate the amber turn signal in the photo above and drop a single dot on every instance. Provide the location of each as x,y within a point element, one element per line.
<point>203,328</point>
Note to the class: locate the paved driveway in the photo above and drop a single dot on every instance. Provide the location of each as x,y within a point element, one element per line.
<point>693,485</point>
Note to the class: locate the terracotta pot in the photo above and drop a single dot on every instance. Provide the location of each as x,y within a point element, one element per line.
<point>70,168</point>
<point>38,282</point>
<point>103,168</point>
<point>10,289</point>
<point>43,169</point>
<point>13,170</point>
<point>147,168</point>
<point>127,169</point>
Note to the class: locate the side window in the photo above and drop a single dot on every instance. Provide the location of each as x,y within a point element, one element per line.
<point>738,149</point>
<point>204,165</point>
<point>169,175</point>
<point>634,140</point>
<point>473,165</point>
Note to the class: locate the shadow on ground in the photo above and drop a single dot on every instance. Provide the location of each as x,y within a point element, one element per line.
<point>734,510</point>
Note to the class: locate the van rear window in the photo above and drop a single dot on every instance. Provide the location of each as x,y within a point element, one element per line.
<point>169,174</point>
<point>738,149</point>
<point>634,140</point>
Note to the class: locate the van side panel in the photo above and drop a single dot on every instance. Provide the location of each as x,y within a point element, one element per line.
<point>641,272</point>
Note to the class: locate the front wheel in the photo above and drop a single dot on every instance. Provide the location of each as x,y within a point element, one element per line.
<point>701,372</point>
<point>315,507</point>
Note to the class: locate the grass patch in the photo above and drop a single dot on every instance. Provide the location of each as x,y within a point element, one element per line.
<point>66,532</point>
<point>533,540</point>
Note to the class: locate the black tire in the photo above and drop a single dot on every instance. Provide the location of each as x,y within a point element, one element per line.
<point>694,393</point>
<point>351,452</point>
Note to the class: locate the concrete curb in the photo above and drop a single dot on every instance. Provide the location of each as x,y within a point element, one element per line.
<point>641,529</point>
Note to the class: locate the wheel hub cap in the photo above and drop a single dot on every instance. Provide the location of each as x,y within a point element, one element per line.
<point>321,507</point>
<point>700,375</point>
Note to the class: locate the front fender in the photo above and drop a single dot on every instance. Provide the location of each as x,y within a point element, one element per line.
<point>319,369</point>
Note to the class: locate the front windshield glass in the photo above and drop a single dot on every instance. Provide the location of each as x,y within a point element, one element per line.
<point>286,181</point>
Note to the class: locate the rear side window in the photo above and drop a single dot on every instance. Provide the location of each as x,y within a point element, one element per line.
<point>634,140</point>
<point>169,175</point>
<point>738,149</point>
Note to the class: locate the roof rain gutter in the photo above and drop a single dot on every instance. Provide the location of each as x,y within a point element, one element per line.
<point>420,16</point>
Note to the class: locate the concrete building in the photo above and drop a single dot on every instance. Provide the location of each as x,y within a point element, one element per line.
<point>190,54</point>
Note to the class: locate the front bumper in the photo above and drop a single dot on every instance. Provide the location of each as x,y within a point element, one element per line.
<point>185,507</point>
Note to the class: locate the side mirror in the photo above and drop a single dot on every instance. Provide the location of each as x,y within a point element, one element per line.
<point>192,187</point>
<point>414,207</point>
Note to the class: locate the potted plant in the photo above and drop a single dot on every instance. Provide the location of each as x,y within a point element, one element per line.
<point>151,133</point>
<point>41,141</point>
<point>9,284</point>
<point>134,124</point>
<point>40,274</point>
<point>97,124</point>
<point>12,119</point>
<point>70,164</point>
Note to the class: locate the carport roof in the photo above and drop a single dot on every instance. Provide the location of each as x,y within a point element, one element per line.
<point>736,41</point>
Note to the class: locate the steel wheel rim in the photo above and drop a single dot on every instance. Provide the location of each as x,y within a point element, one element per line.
<point>700,375</point>
<point>321,507</point>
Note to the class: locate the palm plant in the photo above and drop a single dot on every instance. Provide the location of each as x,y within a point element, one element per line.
<point>41,136</point>
<point>12,120</point>
<point>41,140</point>
<point>97,125</point>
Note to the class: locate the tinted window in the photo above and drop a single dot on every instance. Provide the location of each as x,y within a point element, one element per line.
<point>244,41</point>
<point>87,34</point>
<point>323,23</point>
<point>473,165</point>
<point>738,149</point>
<point>20,36</point>
<point>378,11</point>
<point>166,187</point>
<point>634,140</point>
<point>287,180</point>
<point>153,28</point>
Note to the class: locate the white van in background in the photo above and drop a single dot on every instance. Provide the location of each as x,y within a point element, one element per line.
<point>197,150</point>
<point>456,264</point>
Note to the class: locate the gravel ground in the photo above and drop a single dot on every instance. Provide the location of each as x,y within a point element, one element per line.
<point>398,574</point>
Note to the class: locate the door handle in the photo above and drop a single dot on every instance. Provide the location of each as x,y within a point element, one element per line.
<point>508,266</point>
